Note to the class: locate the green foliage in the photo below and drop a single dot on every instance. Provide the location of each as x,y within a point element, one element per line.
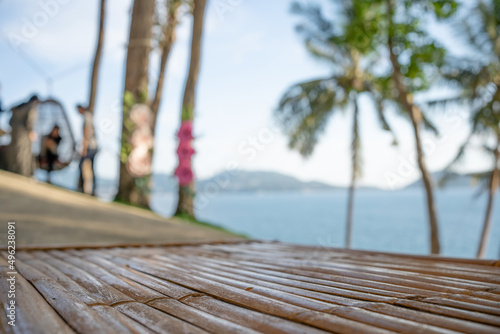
<point>128,100</point>
<point>345,43</point>
<point>305,109</point>
<point>418,54</point>
<point>187,113</point>
<point>128,127</point>
<point>479,78</point>
<point>445,8</point>
<point>192,220</point>
<point>142,183</point>
<point>355,44</point>
<point>127,203</point>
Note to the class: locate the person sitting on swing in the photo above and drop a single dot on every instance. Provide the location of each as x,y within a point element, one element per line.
<point>49,155</point>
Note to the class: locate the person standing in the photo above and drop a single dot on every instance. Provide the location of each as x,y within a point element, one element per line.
<point>18,156</point>
<point>1,100</point>
<point>88,153</point>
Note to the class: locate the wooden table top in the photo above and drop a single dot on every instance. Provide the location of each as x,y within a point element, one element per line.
<point>249,287</point>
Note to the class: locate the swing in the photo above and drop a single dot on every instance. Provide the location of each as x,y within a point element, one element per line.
<point>51,113</point>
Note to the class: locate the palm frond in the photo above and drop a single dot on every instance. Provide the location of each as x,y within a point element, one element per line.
<point>429,125</point>
<point>446,102</point>
<point>304,111</point>
<point>460,154</point>
<point>447,177</point>
<point>379,107</point>
<point>482,180</point>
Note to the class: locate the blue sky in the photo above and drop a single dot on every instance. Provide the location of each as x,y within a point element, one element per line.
<point>251,54</point>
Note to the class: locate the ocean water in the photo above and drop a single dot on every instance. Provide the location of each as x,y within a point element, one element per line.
<point>394,221</point>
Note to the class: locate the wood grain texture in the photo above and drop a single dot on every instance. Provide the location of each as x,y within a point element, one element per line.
<point>251,287</point>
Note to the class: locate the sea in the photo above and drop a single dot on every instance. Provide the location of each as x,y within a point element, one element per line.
<point>390,221</point>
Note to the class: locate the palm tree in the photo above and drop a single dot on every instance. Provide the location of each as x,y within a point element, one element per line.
<point>414,58</point>
<point>306,107</point>
<point>184,171</point>
<point>397,41</point>
<point>479,82</point>
<point>97,57</point>
<point>167,41</point>
<point>136,88</point>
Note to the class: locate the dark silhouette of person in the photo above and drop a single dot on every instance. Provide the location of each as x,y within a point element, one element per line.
<point>49,153</point>
<point>17,157</point>
<point>89,150</point>
<point>1,109</point>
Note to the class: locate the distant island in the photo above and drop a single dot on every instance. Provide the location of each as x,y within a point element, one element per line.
<point>255,181</point>
<point>266,181</point>
<point>453,180</point>
<point>249,181</point>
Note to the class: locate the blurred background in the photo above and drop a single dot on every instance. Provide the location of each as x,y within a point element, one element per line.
<point>275,160</point>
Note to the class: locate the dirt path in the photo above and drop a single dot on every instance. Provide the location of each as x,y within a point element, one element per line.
<point>48,215</point>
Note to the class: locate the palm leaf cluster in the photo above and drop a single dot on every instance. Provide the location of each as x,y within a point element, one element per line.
<point>364,44</point>
<point>478,76</point>
<point>342,42</point>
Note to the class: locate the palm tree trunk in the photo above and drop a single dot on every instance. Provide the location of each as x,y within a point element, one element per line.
<point>186,193</point>
<point>136,83</point>
<point>406,101</point>
<point>415,115</point>
<point>494,181</point>
<point>167,43</point>
<point>355,173</point>
<point>97,58</point>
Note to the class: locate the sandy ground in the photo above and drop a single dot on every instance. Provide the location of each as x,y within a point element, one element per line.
<point>48,215</point>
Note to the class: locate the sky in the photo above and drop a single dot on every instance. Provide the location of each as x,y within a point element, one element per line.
<point>251,55</point>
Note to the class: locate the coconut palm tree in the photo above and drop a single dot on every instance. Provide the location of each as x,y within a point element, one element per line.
<point>478,79</point>
<point>184,170</point>
<point>404,80</point>
<point>414,58</point>
<point>97,57</point>
<point>306,107</point>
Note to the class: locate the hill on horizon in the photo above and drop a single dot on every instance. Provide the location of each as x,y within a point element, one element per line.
<point>250,181</point>
<point>265,181</point>
<point>455,180</point>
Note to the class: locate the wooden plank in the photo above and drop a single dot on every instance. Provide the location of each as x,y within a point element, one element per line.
<point>156,320</point>
<point>206,321</point>
<point>119,322</point>
<point>244,317</point>
<point>258,321</point>
<point>241,288</point>
<point>74,312</point>
<point>253,301</point>
<point>94,286</point>
<point>129,288</point>
<point>30,305</point>
<point>317,288</point>
<point>74,288</point>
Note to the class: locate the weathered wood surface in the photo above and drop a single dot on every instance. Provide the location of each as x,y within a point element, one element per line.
<point>251,288</point>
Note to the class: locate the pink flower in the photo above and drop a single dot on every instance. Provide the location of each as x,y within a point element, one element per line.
<point>185,152</point>
<point>185,174</point>
<point>139,162</point>
<point>141,115</point>
<point>186,131</point>
<point>142,136</point>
